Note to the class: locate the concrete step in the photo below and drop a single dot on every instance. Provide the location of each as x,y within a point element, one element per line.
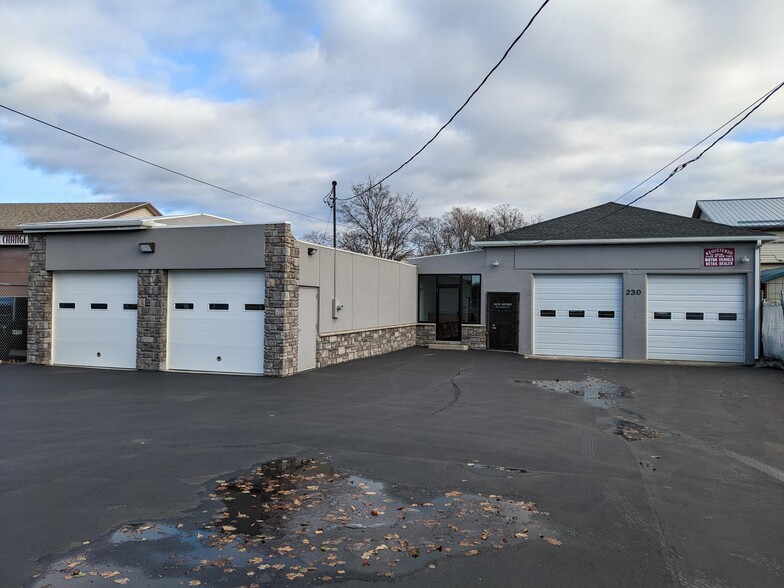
<point>448,346</point>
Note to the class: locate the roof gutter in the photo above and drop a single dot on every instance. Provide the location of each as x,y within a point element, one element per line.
<point>723,239</point>
<point>89,225</point>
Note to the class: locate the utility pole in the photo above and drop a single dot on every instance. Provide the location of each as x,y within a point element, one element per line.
<point>334,215</point>
<point>334,206</point>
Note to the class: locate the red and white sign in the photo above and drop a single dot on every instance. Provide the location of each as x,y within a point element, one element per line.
<point>720,257</point>
<point>13,239</point>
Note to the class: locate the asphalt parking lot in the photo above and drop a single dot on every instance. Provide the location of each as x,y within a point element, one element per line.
<point>643,475</point>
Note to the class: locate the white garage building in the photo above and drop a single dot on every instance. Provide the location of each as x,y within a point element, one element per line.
<point>152,294</point>
<point>608,282</point>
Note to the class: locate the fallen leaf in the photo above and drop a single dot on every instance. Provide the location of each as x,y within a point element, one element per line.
<point>471,552</point>
<point>194,583</point>
<point>553,541</point>
<point>126,580</point>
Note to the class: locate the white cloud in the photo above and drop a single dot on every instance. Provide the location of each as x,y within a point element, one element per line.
<point>594,98</point>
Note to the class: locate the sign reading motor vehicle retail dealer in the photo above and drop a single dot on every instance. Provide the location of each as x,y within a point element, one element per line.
<point>719,257</point>
<point>13,239</point>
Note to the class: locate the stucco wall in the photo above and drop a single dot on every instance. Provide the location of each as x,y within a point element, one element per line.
<point>217,247</point>
<point>374,292</point>
<point>517,267</point>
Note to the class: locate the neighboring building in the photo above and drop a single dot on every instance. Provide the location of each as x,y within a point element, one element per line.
<point>609,282</point>
<point>230,298</point>
<point>764,214</point>
<point>13,256</point>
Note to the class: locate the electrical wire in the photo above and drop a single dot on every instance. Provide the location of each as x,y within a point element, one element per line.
<point>161,167</point>
<point>690,149</point>
<point>749,110</point>
<point>458,111</point>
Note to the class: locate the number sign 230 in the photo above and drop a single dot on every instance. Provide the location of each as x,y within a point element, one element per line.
<point>633,292</point>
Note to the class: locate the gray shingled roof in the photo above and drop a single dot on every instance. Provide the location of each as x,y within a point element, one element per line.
<point>616,221</point>
<point>18,213</point>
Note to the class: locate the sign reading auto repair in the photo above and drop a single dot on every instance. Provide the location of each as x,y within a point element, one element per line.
<point>13,239</point>
<point>720,257</point>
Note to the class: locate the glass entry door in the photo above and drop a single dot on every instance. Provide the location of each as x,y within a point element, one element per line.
<point>448,313</point>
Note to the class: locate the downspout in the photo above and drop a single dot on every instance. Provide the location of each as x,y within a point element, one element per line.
<point>757,299</point>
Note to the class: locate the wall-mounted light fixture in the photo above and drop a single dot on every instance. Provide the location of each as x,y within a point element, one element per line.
<point>147,247</point>
<point>496,263</point>
<point>744,259</point>
<point>312,251</point>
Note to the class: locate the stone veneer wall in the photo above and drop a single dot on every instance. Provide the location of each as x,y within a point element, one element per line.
<point>425,334</point>
<point>152,298</point>
<point>475,336</point>
<point>39,309</point>
<point>281,301</point>
<point>334,348</point>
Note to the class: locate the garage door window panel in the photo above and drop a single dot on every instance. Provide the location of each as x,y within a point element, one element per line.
<point>691,334</point>
<point>578,315</point>
<point>91,327</point>
<point>212,330</point>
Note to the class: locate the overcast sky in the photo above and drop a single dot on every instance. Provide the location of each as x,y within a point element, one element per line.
<point>276,99</point>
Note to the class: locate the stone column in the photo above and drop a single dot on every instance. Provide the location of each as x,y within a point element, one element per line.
<point>39,303</point>
<point>281,301</point>
<point>152,300</point>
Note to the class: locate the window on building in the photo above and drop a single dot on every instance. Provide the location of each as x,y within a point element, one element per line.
<point>468,287</point>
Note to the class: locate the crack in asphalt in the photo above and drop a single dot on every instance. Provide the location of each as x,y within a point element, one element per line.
<point>457,391</point>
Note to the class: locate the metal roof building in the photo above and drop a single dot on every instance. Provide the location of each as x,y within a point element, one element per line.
<point>765,213</point>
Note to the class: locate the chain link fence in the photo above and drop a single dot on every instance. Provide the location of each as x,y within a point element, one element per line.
<point>13,322</point>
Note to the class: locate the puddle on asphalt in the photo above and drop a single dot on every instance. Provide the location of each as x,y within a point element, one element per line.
<point>596,392</point>
<point>294,519</point>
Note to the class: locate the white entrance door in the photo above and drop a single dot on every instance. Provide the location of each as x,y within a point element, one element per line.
<point>697,318</point>
<point>216,321</point>
<point>578,315</point>
<point>94,319</point>
<point>308,328</point>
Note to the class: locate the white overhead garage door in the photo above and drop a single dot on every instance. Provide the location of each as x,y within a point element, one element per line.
<point>697,318</point>
<point>578,315</point>
<point>94,319</point>
<point>216,321</point>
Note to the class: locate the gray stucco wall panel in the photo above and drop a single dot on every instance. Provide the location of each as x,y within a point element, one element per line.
<point>365,292</point>
<point>388,294</point>
<point>374,292</point>
<point>221,247</point>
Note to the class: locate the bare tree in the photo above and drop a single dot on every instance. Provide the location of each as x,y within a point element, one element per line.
<point>430,238</point>
<point>378,223</point>
<point>506,217</point>
<point>461,225</point>
<point>318,238</point>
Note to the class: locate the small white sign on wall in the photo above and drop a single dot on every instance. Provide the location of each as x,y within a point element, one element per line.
<point>11,239</point>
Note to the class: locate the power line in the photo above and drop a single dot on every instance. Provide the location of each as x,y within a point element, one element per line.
<point>161,167</point>
<point>690,149</point>
<point>748,110</point>
<point>458,111</point>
